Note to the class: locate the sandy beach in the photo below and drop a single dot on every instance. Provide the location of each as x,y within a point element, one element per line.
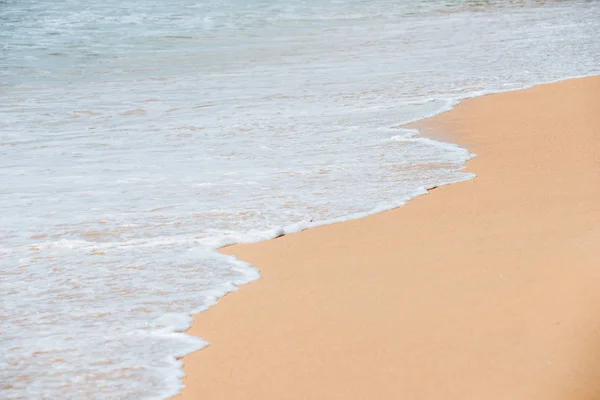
<point>487,289</point>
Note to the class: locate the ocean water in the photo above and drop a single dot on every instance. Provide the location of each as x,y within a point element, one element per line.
<point>137,137</point>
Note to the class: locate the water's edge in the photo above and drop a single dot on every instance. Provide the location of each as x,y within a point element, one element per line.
<point>253,272</point>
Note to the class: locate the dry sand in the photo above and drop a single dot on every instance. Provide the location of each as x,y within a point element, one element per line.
<point>488,289</point>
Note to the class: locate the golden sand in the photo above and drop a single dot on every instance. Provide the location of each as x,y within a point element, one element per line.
<point>488,289</point>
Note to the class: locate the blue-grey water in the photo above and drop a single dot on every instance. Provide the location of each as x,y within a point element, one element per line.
<point>136,137</point>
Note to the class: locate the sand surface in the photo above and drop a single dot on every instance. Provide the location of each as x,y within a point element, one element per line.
<point>488,289</point>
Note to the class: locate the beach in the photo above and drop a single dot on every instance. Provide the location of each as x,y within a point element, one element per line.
<point>142,141</point>
<point>485,289</point>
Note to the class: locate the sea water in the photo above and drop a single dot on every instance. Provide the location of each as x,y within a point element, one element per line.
<point>137,137</point>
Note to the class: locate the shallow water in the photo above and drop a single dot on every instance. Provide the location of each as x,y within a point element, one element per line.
<point>137,137</point>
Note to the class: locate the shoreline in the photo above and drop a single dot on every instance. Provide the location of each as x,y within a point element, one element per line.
<point>320,332</point>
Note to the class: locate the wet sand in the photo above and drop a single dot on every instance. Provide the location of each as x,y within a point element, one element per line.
<point>487,289</point>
